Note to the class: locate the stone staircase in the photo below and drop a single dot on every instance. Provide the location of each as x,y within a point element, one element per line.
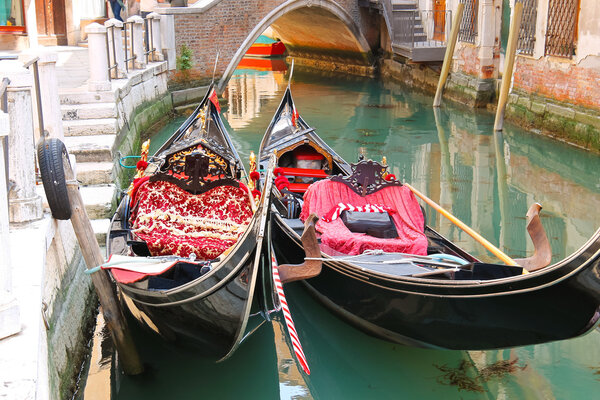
<point>407,25</point>
<point>407,31</point>
<point>90,129</point>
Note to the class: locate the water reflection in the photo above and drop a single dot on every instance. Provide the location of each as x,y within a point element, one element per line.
<point>254,83</point>
<point>487,180</point>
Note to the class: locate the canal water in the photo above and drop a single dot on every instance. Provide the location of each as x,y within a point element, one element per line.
<point>487,180</point>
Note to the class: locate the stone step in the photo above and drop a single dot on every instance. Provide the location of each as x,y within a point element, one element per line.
<point>98,200</point>
<point>100,227</point>
<point>72,112</point>
<point>91,148</point>
<point>94,173</point>
<point>83,97</point>
<point>90,127</point>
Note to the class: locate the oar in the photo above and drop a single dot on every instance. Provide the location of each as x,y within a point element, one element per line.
<point>493,249</point>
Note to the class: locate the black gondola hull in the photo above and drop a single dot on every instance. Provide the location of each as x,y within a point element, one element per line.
<point>553,306</point>
<point>210,323</point>
<point>211,304</point>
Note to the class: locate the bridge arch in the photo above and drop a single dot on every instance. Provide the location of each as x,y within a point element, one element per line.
<point>338,32</point>
<point>354,41</point>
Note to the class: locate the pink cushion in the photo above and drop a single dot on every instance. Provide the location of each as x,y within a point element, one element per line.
<point>408,218</point>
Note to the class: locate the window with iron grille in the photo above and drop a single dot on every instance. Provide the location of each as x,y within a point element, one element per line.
<point>527,31</point>
<point>468,24</point>
<point>562,27</point>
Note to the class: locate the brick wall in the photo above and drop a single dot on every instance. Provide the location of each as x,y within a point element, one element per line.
<point>564,81</point>
<point>466,59</point>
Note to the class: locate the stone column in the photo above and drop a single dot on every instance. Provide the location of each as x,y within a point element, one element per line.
<point>114,30</point>
<point>137,32</point>
<point>154,18</point>
<point>97,52</point>
<point>167,35</point>
<point>24,202</point>
<point>489,39</point>
<point>49,92</point>
<point>9,308</point>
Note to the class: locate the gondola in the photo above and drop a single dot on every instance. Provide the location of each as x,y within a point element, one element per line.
<point>187,245</point>
<point>389,274</point>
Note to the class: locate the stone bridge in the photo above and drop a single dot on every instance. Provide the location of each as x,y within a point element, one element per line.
<point>339,32</point>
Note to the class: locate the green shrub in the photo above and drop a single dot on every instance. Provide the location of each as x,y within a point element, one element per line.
<point>184,61</point>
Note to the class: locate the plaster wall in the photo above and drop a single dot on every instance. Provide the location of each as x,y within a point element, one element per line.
<point>480,59</point>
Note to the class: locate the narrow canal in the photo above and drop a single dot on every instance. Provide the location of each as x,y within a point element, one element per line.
<point>487,180</point>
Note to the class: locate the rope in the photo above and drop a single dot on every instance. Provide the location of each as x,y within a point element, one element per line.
<point>434,259</point>
<point>127,166</point>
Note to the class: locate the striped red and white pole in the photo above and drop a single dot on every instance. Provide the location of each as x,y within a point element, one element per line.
<point>289,322</point>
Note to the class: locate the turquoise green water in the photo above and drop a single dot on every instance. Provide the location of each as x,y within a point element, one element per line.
<point>485,179</point>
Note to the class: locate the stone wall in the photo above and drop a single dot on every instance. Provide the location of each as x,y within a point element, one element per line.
<point>68,306</point>
<point>573,124</point>
<point>141,102</point>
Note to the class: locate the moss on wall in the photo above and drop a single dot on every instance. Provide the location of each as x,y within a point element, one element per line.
<point>131,137</point>
<point>572,124</point>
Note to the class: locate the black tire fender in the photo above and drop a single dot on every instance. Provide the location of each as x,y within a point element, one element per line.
<point>52,158</point>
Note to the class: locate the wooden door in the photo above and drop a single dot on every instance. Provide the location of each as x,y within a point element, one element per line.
<point>439,20</point>
<point>51,22</point>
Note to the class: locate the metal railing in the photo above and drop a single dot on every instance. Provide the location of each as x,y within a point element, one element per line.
<point>4,108</point>
<point>128,45</point>
<point>128,39</point>
<point>38,97</point>
<point>149,42</point>
<point>114,66</point>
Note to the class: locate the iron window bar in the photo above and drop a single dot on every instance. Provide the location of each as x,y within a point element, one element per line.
<point>561,26</point>
<point>526,41</point>
<point>468,24</point>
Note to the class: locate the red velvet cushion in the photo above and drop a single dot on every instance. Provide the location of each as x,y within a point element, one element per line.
<point>175,222</point>
<point>323,195</point>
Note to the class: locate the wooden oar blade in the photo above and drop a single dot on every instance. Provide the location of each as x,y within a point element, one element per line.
<point>542,255</point>
<point>309,268</point>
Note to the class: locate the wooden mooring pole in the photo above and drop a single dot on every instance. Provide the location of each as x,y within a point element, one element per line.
<point>113,315</point>
<point>437,101</point>
<point>509,63</point>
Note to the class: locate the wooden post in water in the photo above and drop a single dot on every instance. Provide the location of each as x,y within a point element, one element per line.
<point>437,101</point>
<point>509,63</point>
<point>113,315</point>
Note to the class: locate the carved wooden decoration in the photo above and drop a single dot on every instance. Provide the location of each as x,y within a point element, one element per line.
<point>366,178</point>
<point>196,169</point>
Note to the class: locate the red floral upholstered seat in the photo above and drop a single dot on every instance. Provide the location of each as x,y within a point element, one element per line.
<point>323,195</point>
<point>175,222</point>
